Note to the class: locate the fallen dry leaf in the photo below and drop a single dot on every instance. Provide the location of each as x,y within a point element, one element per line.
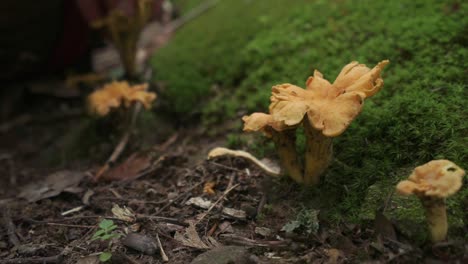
<point>129,169</point>
<point>123,213</point>
<point>190,238</point>
<point>53,185</point>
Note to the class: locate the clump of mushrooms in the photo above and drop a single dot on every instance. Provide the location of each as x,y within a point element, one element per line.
<point>432,183</point>
<point>325,110</point>
<point>115,94</point>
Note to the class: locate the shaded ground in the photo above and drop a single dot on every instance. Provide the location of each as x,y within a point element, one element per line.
<point>36,232</point>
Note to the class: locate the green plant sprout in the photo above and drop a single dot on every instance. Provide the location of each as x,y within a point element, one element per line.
<point>106,233</point>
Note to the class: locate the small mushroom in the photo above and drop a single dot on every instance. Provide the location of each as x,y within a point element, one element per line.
<point>432,183</point>
<point>114,94</point>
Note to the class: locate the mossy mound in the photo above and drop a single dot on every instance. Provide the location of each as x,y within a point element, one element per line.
<point>234,53</point>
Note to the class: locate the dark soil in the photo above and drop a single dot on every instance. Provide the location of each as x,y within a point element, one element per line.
<point>36,232</point>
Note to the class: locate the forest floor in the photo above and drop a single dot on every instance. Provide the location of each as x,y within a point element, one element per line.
<point>223,210</point>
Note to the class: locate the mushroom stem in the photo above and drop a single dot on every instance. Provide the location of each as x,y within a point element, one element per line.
<point>436,216</point>
<point>285,142</point>
<point>218,152</point>
<point>318,155</point>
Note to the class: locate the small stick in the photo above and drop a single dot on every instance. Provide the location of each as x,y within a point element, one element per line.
<point>174,221</point>
<point>167,143</point>
<point>250,242</point>
<point>261,204</point>
<point>152,168</point>
<point>163,219</point>
<point>115,193</point>
<point>122,143</point>
<point>212,229</point>
<point>67,225</point>
<point>215,203</point>
<point>161,249</point>
<point>32,221</point>
<point>74,210</point>
<point>194,13</point>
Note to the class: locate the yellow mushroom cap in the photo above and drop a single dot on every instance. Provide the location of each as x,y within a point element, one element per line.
<point>262,122</point>
<point>330,108</point>
<point>437,178</point>
<point>114,94</point>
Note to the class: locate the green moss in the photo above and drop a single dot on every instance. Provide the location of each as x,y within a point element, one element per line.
<point>203,57</point>
<point>238,50</point>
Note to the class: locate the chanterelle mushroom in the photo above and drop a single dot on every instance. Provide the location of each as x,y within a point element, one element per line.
<point>325,110</point>
<point>114,94</point>
<point>432,183</point>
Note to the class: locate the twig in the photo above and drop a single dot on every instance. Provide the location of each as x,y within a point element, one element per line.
<point>187,192</point>
<point>174,221</point>
<point>153,167</point>
<point>73,210</point>
<point>163,219</point>
<point>215,203</point>
<point>173,26</point>
<point>122,143</point>
<point>67,225</point>
<point>53,259</point>
<point>250,242</point>
<point>161,249</point>
<point>167,143</point>
<point>32,221</point>
<point>10,227</point>
<point>115,193</point>
<point>261,204</point>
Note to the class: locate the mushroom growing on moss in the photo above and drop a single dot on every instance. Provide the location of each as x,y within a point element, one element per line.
<point>432,183</point>
<point>324,109</point>
<point>114,94</point>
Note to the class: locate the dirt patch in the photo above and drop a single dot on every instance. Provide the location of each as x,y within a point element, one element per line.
<point>158,201</point>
